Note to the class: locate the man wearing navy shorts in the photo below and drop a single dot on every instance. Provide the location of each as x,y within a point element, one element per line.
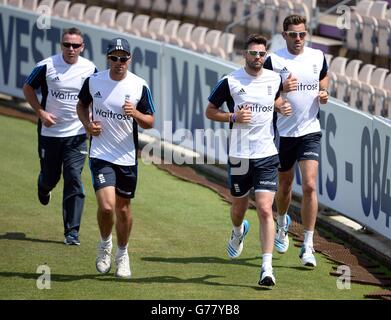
<point>120,101</point>
<point>305,83</point>
<point>252,95</point>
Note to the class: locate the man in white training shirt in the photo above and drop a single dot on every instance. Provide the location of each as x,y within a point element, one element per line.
<point>252,94</point>
<point>61,136</point>
<point>305,82</point>
<point>120,102</point>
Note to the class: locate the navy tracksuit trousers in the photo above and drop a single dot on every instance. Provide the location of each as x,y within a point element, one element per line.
<point>68,155</point>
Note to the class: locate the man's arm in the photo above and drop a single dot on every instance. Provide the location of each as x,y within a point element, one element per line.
<point>214,113</point>
<point>47,119</point>
<point>323,90</point>
<point>143,112</point>
<point>283,106</point>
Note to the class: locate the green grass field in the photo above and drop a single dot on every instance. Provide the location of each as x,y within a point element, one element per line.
<point>177,247</point>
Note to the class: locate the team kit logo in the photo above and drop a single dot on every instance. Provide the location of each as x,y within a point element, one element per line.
<point>256,107</point>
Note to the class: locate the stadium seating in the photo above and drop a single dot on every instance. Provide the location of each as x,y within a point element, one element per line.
<point>226,14</point>
<point>183,35</point>
<point>193,9</point>
<point>269,23</point>
<point>107,18</point>
<point>210,11</point>
<point>48,3</point>
<point>176,8</point>
<point>144,6</point>
<point>123,22</point>
<point>197,38</point>
<point>211,41</point>
<point>284,9</point>
<point>170,31</point>
<point>337,68</point>
<point>156,28</point>
<point>76,11</point>
<point>160,7</point>
<point>225,47</point>
<point>344,80</point>
<point>384,37</point>
<point>30,5</point>
<point>15,3</point>
<point>364,76</point>
<point>139,25</point>
<point>92,14</point>
<point>61,9</point>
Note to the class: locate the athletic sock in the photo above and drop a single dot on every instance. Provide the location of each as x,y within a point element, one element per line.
<point>105,243</point>
<point>281,220</point>
<point>122,251</point>
<point>238,231</point>
<point>267,260</point>
<point>308,238</point>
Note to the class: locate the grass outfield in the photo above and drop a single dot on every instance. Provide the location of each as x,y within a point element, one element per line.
<point>177,246</point>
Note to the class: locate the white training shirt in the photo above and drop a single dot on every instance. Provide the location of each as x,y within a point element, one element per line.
<point>308,67</point>
<point>252,140</point>
<point>118,141</point>
<point>60,84</point>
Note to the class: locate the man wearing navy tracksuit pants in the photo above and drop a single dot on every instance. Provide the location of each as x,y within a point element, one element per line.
<point>61,136</point>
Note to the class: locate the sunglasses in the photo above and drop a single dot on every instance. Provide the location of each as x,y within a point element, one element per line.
<point>255,53</point>
<point>73,45</point>
<point>121,59</point>
<point>294,34</point>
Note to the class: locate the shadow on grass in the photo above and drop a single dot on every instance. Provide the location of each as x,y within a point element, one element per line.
<point>204,280</point>
<point>244,262</point>
<point>22,236</point>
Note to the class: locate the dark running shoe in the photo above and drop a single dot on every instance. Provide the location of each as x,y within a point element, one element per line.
<point>44,198</point>
<point>72,239</point>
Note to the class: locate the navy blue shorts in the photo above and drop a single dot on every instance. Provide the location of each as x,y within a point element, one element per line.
<point>123,178</point>
<point>260,174</point>
<point>298,148</point>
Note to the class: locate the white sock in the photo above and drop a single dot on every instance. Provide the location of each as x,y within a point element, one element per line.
<point>267,260</point>
<point>106,242</point>
<point>122,251</point>
<point>308,238</point>
<point>239,230</point>
<point>281,220</point>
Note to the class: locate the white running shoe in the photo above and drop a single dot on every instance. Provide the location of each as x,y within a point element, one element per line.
<point>103,260</point>
<point>307,256</point>
<point>281,241</point>
<point>123,266</point>
<point>235,244</point>
<point>267,277</point>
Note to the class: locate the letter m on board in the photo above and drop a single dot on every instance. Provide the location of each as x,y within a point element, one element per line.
<point>180,96</point>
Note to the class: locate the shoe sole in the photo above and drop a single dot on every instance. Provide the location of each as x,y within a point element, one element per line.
<point>309,264</point>
<point>267,281</point>
<point>71,243</point>
<point>123,277</point>
<point>102,272</point>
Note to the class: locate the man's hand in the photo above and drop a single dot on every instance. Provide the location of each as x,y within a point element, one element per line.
<point>47,119</point>
<point>130,109</point>
<point>286,108</point>
<point>243,115</point>
<point>323,96</point>
<point>94,128</point>
<point>290,84</point>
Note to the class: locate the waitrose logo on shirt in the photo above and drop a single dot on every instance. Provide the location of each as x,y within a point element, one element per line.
<point>112,115</point>
<point>64,95</point>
